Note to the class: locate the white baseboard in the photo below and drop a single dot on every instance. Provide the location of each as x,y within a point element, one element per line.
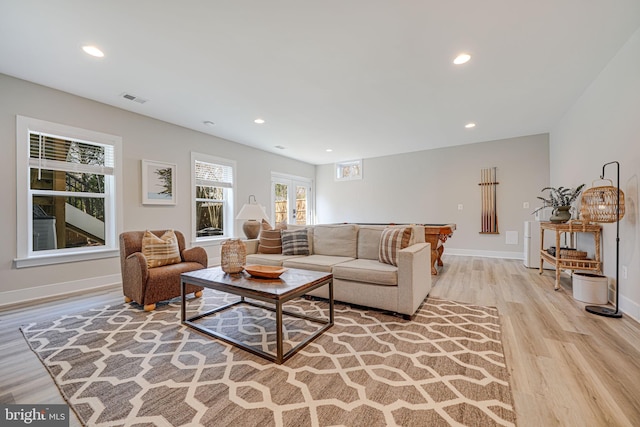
<point>484,254</point>
<point>630,308</point>
<point>9,298</point>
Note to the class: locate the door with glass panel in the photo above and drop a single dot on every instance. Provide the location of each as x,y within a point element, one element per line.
<point>291,200</point>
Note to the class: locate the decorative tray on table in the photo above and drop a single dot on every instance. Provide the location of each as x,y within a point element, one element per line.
<point>265,271</point>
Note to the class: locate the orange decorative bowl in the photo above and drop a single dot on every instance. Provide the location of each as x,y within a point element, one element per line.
<point>265,271</point>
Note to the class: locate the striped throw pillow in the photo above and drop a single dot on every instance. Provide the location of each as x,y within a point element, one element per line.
<point>270,242</point>
<point>392,241</point>
<point>295,242</point>
<point>160,251</point>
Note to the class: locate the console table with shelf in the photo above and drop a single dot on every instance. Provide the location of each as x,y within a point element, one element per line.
<point>570,263</point>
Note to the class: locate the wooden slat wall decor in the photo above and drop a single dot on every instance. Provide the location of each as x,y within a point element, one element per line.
<point>489,215</point>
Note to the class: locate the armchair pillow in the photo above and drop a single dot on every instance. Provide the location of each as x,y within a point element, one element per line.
<point>295,242</point>
<point>160,251</point>
<point>392,241</point>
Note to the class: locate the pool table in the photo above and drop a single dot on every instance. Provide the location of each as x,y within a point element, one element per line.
<point>437,234</point>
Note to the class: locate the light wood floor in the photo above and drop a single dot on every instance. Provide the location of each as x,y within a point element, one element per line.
<point>568,367</point>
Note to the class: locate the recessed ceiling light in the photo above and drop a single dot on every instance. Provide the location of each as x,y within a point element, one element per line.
<point>93,51</point>
<point>329,150</point>
<point>259,121</point>
<point>209,123</point>
<point>470,125</point>
<point>462,58</point>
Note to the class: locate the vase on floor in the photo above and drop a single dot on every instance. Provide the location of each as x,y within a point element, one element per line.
<point>233,255</point>
<point>561,214</point>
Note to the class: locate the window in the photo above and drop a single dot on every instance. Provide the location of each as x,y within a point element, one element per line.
<point>346,171</point>
<point>213,183</point>
<point>67,181</point>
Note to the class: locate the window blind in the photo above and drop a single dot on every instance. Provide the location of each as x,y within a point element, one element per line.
<point>213,175</point>
<point>69,155</point>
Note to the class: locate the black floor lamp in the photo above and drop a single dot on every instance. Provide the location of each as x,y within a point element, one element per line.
<point>605,204</point>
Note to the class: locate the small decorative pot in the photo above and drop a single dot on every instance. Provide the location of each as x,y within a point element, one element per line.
<point>560,214</point>
<point>234,256</point>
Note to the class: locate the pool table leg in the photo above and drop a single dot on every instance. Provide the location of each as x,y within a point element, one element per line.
<point>434,261</point>
<point>440,251</point>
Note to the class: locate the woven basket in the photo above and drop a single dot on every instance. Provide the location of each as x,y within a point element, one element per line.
<point>599,204</point>
<point>233,255</point>
<point>572,254</point>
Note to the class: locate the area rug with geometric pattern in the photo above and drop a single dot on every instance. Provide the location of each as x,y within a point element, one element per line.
<point>121,366</point>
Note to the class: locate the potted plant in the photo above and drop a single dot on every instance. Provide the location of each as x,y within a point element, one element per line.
<point>560,199</point>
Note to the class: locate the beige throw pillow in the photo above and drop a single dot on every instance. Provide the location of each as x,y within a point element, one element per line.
<point>392,241</point>
<point>160,251</point>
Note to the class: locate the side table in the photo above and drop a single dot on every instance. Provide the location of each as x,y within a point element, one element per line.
<point>570,263</point>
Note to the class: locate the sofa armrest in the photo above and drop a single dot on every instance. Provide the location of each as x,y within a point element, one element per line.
<point>196,254</point>
<point>252,246</point>
<point>414,276</point>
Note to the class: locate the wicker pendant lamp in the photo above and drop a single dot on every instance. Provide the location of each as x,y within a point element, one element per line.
<point>605,205</point>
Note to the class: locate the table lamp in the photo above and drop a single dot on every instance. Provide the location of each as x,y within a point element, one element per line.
<point>252,213</point>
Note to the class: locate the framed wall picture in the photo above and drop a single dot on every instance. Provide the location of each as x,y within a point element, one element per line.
<point>158,183</point>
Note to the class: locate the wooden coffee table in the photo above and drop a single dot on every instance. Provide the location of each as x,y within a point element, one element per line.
<point>293,283</point>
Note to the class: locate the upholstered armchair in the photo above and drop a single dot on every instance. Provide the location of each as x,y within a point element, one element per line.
<point>148,285</point>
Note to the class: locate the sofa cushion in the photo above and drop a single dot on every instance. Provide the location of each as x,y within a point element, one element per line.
<point>162,250</point>
<point>269,259</point>
<point>270,242</point>
<point>392,240</point>
<point>369,241</point>
<point>367,271</point>
<point>315,262</point>
<point>338,240</point>
<point>295,242</point>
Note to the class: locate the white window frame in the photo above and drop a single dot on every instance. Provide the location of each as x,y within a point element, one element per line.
<point>342,165</point>
<point>229,195</point>
<point>26,256</point>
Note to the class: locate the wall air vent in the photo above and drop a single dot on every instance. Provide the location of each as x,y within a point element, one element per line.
<point>133,98</point>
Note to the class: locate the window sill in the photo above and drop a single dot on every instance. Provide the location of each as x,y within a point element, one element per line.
<point>40,260</point>
<point>213,241</point>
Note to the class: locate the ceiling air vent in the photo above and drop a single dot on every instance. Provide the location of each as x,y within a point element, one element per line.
<point>133,98</point>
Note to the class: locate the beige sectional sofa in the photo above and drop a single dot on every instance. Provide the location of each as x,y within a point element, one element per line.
<point>352,253</point>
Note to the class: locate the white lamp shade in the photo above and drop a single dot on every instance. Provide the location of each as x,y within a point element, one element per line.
<point>252,211</point>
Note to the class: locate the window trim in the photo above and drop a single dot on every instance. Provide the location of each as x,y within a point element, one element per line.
<point>28,258</point>
<point>229,215</point>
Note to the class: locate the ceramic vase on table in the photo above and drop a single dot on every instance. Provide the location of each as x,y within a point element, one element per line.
<point>561,214</point>
<point>233,255</point>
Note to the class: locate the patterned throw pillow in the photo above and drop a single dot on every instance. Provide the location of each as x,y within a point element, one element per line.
<point>160,251</point>
<point>392,241</point>
<point>295,242</point>
<point>270,242</point>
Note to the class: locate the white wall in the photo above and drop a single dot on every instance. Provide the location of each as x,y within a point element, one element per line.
<point>427,187</point>
<point>143,138</point>
<point>601,127</point>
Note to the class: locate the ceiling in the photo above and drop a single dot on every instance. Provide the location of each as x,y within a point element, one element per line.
<point>364,78</point>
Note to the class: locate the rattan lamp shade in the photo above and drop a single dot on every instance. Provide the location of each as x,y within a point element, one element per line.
<point>599,204</point>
